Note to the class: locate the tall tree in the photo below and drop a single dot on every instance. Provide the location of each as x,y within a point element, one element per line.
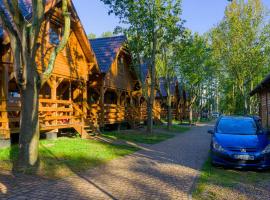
<point>194,68</point>
<point>166,72</point>
<point>146,21</point>
<point>24,35</point>
<point>240,46</point>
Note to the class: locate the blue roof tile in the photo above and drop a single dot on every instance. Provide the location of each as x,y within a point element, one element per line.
<point>144,71</point>
<point>106,50</point>
<point>26,10</point>
<point>163,88</point>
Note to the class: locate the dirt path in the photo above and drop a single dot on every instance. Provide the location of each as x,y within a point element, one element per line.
<point>163,171</point>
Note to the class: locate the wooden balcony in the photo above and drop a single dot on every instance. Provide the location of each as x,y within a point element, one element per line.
<point>53,114</point>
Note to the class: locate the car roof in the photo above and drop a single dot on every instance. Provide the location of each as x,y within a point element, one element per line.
<point>240,117</point>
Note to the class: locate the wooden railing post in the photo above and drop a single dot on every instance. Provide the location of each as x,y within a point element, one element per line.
<point>101,103</point>
<point>4,95</point>
<point>54,97</point>
<point>84,108</point>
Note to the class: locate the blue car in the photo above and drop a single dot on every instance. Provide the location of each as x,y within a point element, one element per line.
<point>240,142</point>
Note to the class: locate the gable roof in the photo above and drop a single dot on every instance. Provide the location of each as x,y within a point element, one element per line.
<point>106,50</point>
<point>26,9</point>
<point>162,87</point>
<point>264,84</point>
<point>144,71</point>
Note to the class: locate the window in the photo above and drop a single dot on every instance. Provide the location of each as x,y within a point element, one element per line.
<point>121,65</point>
<point>237,126</point>
<point>54,33</point>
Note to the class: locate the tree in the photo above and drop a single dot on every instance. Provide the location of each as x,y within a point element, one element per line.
<point>146,21</point>
<point>107,34</point>
<point>166,71</point>
<point>194,68</point>
<point>91,36</point>
<point>24,35</point>
<point>240,46</point>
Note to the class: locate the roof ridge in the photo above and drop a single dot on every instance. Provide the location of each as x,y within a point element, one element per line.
<point>102,38</point>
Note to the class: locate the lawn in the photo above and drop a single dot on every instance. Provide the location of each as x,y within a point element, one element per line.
<point>219,183</point>
<point>146,138</point>
<point>175,128</point>
<point>67,156</point>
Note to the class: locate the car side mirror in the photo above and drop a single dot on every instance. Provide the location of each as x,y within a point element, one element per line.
<point>210,132</point>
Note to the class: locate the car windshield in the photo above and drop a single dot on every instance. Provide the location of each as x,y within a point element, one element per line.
<point>243,126</point>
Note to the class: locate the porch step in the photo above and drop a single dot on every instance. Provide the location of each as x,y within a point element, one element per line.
<point>89,130</point>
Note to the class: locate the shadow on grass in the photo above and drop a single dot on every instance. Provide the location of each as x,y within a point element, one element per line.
<point>61,157</point>
<point>155,174</point>
<point>161,133</point>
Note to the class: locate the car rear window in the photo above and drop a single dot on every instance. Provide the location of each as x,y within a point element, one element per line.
<point>237,126</point>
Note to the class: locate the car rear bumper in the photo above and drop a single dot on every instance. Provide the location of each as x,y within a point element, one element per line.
<point>228,160</point>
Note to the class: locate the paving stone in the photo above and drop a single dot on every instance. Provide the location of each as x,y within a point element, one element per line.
<point>163,171</point>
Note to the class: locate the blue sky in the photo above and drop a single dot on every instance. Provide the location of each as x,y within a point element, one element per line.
<point>200,15</point>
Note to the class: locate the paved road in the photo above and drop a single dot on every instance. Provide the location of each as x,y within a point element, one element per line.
<point>163,171</point>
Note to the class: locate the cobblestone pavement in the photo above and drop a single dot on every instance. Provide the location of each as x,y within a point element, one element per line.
<point>163,171</point>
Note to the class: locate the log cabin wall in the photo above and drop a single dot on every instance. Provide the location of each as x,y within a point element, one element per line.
<point>63,99</point>
<point>175,98</point>
<point>145,92</point>
<point>264,108</point>
<point>262,91</point>
<point>118,85</point>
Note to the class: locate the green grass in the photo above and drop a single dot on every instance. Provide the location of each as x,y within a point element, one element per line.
<point>146,138</point>
<point>66,156</point>
<point>219,183</point>
<point>138,137</point>
<point>175,128</point>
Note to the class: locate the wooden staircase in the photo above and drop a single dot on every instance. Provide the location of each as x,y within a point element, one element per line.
<point>87,129</point>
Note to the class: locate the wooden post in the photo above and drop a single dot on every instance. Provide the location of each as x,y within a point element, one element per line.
<point>53,85</point>
<point>84,96</point>
<point>132,110</point>
<point>118,93</point>
<point>101,103</point>
<point>4,94</point>
<point>54,96</point>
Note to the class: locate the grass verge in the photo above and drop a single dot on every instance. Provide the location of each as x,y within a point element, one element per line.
<point>174,129</point>
<point>66,156</point>
<point>146,138</point>
<point>219,183</point>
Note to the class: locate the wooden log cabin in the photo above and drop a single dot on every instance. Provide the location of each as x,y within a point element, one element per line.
<point>162,96</point>
<point>114,93</point>
<point>262,91</point>
<point>179,98</point>
<point>145,93</point>
<point>63,99</point>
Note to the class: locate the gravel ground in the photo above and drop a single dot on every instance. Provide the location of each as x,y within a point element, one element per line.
<point>163,171</point>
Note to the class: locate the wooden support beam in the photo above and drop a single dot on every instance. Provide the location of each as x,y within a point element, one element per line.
<point>59,81</point>
<point>118,93</point>
<point>102,93</point>
<point>84,102</point>
<point>76,93</point>
<point>4,96</point>
<point>11,76</point>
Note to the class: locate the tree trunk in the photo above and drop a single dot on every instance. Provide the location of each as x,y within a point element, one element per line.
<point>151,99</point>
<point>169,104</point>
<point>29,129</point>
<point>190,114</point>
